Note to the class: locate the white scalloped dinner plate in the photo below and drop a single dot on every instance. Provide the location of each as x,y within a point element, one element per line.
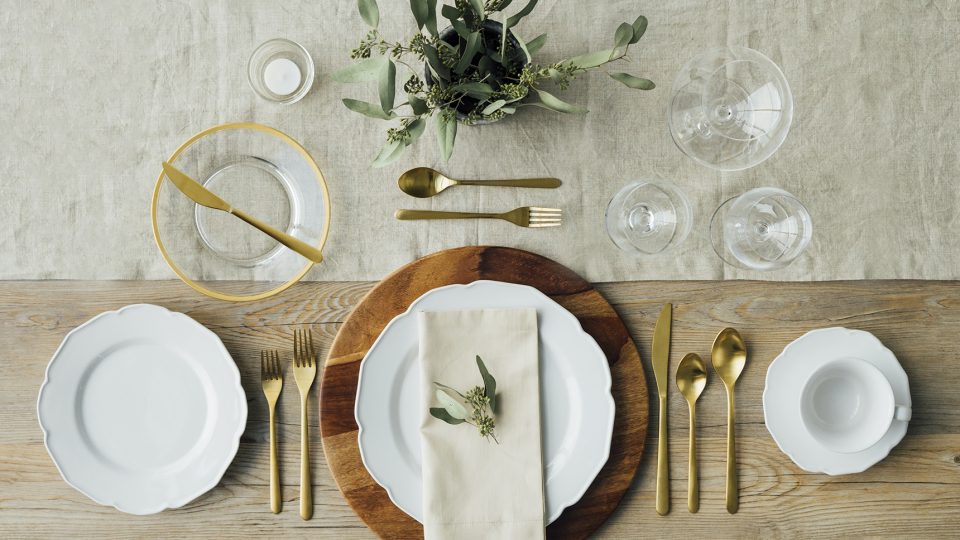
<point>784,384</point>
<point>577,408</point>
<point>142,409</point>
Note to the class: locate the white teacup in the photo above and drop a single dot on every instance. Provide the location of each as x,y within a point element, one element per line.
<point>847,405</point>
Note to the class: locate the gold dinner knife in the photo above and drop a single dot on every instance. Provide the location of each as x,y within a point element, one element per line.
<point>661,360</point>
<point>204,197</point>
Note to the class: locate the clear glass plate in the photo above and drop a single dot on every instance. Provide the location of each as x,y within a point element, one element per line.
<point>265,173</point>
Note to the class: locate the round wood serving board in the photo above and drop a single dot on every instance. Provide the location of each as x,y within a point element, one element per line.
<point>395,293</point>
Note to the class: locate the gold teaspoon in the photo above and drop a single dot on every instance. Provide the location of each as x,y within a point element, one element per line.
<point>691,380</point>
<point>728,357</point>
<point>424,182</point>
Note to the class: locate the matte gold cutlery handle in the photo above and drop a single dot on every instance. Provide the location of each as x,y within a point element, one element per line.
<point>733,503</point>
<point>306,490</point>
<point>663,467</point>
<point>436,214</point>
<point>274,466</point>
<point>693,482</point>
<point>295,244</point>
<point>522,182</point>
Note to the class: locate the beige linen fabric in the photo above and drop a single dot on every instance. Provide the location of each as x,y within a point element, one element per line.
<point>94,95</point>
<point>473,488</point>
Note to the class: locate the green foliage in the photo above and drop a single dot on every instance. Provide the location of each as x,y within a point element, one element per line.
<point>481,401</point>
<point>479,71</point>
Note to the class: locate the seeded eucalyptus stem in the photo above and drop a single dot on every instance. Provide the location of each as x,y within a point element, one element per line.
<point>475,71</point>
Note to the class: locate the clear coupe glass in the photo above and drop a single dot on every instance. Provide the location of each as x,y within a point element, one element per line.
<point>648,217</point>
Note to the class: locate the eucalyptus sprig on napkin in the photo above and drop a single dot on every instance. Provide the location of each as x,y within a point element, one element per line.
<point>481,401</point>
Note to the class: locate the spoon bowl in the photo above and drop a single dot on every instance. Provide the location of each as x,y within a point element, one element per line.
<point>691,377</point>
<point>729,356</point>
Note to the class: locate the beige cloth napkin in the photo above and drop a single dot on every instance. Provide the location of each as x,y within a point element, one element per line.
<point>475,488</point>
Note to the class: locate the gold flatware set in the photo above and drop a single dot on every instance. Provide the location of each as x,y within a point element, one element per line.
<point>423,182</point>
<point>728,357</point>
<point>271,375</point>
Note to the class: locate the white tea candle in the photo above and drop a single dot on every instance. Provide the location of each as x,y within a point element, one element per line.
<point>282,76</point>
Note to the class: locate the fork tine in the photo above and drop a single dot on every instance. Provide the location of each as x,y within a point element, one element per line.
<point>296,347</point>
<point>553,224</point>
<point>310,352</point>
<point>276,365</point>
<point>263,365</point>
<point>542,209</point>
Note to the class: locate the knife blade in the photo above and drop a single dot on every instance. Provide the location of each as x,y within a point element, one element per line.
<point>660,356</point>
<point>204,197</point>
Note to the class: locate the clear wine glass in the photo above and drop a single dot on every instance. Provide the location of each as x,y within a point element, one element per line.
<point>648,217</point>
<point>731,108</point>
<point>762,229</point>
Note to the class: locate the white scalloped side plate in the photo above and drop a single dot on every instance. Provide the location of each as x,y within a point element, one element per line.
<point>142,409</point>
<point>577,407</point>
<point>784,383</point>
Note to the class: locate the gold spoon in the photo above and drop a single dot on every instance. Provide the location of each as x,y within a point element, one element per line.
<point>424,182</point>
<point>691,380</point>
<point>728,357</point>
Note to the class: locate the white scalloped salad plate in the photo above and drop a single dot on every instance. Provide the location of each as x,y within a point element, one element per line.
<point>142,409</point>
<point>577,408</point>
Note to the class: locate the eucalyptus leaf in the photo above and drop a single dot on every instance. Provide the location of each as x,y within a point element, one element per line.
<point>639,27</point>
<point>472,47</point>
<point>450,12</point>
<point>634,82</point>
<point>418,105</point>
<point>523,47</point>
<point>369,12</point>
<point>433,60</point>
<point>556,104</point>
<point>452,406</point>
<point>477,90</point>
<point>431,22</point>
<point>623,36</point>
<point>509,110</point>
<point>441,414</point>
<point>387,85</point>
<point>388,154</point>
<point>449,390</point>
<point>514,19</point>
<point>477,6</point>
<point>446,128</point>
<point>590,60</point>
<point>421,12</point>
<point>461,28</point>
<point>493,107</point>
<point>536,44</point>
<point>365,70</point>
<point>368,109</point>
<point>489,384</point>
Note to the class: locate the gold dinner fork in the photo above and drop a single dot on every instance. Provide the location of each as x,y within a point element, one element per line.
<point>272,379</point>
<point>304,370</point>
<point>526,216</point>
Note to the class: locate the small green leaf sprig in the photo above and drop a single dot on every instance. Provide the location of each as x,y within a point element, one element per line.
<point>482,77</point>
<point>481,401</point>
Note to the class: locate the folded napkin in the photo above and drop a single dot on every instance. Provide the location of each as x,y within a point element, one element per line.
<point>474,487</point>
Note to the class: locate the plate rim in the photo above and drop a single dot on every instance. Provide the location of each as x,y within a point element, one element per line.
<point>886,448</point>
<point>608,391</point>
<point>235,438</point>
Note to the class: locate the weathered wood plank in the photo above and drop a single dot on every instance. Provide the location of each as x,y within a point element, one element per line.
<point>914,492</point>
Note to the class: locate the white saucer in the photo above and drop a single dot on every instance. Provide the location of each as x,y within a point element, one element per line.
<point>781,398</point>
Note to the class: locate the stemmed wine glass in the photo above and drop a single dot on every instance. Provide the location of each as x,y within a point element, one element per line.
<point>648,217</point>
<point>762,229</point>
<point>731,108</point>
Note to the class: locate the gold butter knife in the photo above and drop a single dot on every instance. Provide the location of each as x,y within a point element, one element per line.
<point>661,360</point>
<point>204,197</point>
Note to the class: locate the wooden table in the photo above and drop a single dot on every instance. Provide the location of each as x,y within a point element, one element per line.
<point>914,492</point>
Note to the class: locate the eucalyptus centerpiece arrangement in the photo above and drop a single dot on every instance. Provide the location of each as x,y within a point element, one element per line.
<point>475,406</point>
<point>475,71</point>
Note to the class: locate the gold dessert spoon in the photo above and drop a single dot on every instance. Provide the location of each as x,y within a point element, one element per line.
<point>691,380</point>
<point>424,182</point>
<point>728,357</point>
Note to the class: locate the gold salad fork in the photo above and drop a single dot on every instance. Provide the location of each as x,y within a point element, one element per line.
<point>272,378</point>
<point>526,216</point>
<point>304,371</point>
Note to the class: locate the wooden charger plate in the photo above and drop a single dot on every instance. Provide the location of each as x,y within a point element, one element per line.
<point>393,295</point>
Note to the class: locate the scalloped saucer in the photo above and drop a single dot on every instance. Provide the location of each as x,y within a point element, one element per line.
<point>781,398</point>
<point>142,409</point>
<point>577,408</point>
